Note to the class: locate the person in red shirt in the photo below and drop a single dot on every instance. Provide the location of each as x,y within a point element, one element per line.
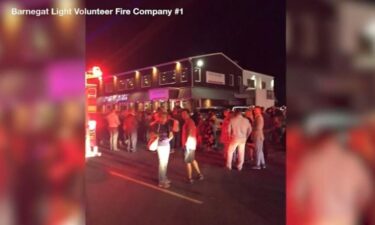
<point>130,127</point>
<point>189,141</point>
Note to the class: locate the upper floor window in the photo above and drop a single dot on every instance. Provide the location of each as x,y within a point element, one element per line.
<point>264,86</point>
<point>130,83</point>
<point>121,85</point>
<point>184,75</point>
<point>198,74</point>
<point>251,83</point>
<point>167,77</point>
<point>231,80</point>
<point>146,81</point>
<point>240,81</point>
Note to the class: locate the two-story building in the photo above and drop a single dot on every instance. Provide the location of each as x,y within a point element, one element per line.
<point>199,81</point>
<point>258,89</point>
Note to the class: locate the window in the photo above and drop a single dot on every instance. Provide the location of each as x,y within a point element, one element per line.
<point>146,81</point>
<point>109,87</point>
<point>251,83</point>
<point>130,83</point>
<point>121,85</point>
<point>184,75</point>
<point>270,95</point>
<point>197,74</point>
<point>240,81</point>
<point>168,77</point>
<point>231,80</point>
<point>264,85</point>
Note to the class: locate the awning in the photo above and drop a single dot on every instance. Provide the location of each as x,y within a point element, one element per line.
<point>138,96</point>
<point>184,93</point>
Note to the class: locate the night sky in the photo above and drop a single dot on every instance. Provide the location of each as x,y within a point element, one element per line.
<point>251,32</point>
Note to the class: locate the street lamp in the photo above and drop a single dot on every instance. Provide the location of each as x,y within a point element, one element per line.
<point>200,63</point>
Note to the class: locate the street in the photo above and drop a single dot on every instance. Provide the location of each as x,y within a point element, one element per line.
<point>121,188</point>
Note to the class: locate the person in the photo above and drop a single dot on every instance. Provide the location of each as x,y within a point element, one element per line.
<point>207,135</point>
<point>142,130</point>
<point>249,143</point>
<point>189,141</point>
<point>258,138</point>
<point>268,130</point>
<point>200,125</point>
<point>224,136</point>
<point>148,120</point>
<point>131,130</point>
<point>215,123</point>
<point>161,128</point>
<point>121,135</point>
<point>239,130</point>
<point>113,124</point>
<point>174,123</point>
<point>196,117</point>
<point>178,122</point>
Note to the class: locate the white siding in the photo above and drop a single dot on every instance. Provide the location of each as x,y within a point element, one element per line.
<point>260,94</point>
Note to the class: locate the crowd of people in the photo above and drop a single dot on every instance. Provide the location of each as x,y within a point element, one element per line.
<point>238,135</point>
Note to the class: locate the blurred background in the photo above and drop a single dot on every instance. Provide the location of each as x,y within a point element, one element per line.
<point>42,82</point>
<point>330,96</point>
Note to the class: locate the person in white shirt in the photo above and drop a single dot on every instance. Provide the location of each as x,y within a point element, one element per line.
<point>113,124</point>
<point>239,130</point>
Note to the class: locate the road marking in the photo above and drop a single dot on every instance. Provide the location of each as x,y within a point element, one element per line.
<point>156,187</point>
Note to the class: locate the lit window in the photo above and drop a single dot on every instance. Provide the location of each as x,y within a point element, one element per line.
<point>121,85</point>
<point>130,83</point>
<point>184,75</point>
<point>167,77</point>
<point>197,74</point>
<point>146,81</point>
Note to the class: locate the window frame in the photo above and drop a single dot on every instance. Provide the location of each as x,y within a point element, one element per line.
<point>150,83</point>
<point>199,72</point>
<point>127,81</point>
<point>231,80</point>
<point>169,83</point>
<point>265,85</point>
<point>253,83</point>
<point>187,74</point>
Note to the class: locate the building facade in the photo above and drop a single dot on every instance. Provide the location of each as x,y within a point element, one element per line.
<point>200,81</point>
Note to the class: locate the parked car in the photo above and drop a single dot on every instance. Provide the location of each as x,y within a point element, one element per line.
<point>241,108</point>
<point>218,110</point>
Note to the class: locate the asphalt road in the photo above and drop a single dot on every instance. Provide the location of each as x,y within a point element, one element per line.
<point>121,188</point>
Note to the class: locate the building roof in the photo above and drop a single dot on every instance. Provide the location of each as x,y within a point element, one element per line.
<point>180,60</point>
